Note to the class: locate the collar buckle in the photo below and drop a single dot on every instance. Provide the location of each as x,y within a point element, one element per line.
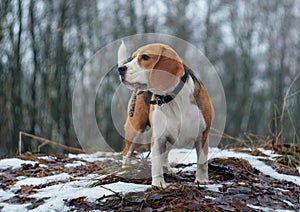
<point>158,102</point>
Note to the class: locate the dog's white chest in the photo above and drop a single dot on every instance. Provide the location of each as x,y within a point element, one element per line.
<point>179,122</point>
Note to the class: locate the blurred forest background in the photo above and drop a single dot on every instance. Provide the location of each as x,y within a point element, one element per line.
<point>254,46</point>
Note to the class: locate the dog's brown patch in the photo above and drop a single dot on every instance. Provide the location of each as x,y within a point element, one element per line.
<point>201,98</point>
<point>136,123</point>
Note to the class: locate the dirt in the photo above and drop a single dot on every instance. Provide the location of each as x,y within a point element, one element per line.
<point>234,186</point>
<point>237,187</point>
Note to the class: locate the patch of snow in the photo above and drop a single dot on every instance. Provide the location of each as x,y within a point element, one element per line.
<point>255,163</point>
<point>177,156</point>
<point>260,208</point>
<point>43,165</point>
<point>187,156</point>
<point>184,156</point>
<point>92,177</point>
<point>248,149</point>
<point>13,207</point>
<point>14,163</point>
<point>265,209</point>
<point>212,187</point>
<point>4,195</point>
<point>126,187</point>
<point>69,190</point>
<point>38,181</point>
<point>209,197</point>
<point>21,178</point>
<point>75,189</point>
<point>288,202</point>
<point>269,153</point>
<point>283,190</point>
<point>47,158</point>
<point>75,164</point>
<point>298,169</point>
<point>229,183</point>
<point>97,156</point>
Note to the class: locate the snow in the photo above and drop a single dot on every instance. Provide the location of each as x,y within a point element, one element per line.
<point>265,209</point>
<point>14,163</point>
<point>256,163</point>
<point>212,187</point>
<point>184,156</point>
<point>270,153</point>
<point>75,164</point>
<point>288,202</point>
<point>69,190</point>
<point>4,195</point>
<point>42,180</point>
<point>187,156</point>
<point>98,156</point>
<point>209,197</point>
<point>77,189</point>
<point>65,188</point>
<point>126,187</point>
<point>47,158</point>
<point>13,207</point>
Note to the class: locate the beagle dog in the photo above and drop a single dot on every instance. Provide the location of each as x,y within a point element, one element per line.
<point>179,111</point>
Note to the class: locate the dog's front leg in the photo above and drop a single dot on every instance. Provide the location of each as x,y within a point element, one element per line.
<point>157,164</point>
<point>166,163</point>
<point>127,153</point>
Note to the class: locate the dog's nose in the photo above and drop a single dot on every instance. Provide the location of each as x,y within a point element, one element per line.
<point>122,70</point>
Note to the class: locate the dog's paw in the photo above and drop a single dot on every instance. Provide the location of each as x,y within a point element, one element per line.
<point>126,162</point>
<point>159,182</point>
<point>201,181</point>
<point>168,169</point>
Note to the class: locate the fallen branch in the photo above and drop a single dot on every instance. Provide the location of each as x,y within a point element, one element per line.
<point>44,142</point>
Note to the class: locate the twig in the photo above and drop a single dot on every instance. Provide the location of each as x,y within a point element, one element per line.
<point>224,135</point>
<point>292,123</point>
<point>46,141</point>
<point>275,123</point>
<point>293,94</point>
<point>285,101</point>
<point>286,95</point>
<point>107,196</point>
<point>117,194</point>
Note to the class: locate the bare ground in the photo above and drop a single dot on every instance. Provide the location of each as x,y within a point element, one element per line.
<point>234,186</point>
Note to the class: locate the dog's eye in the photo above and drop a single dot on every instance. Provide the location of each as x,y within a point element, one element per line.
<point>145,57</point>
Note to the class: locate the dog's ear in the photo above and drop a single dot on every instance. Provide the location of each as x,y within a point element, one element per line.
<point>167,70</point>
<point>122,56</point>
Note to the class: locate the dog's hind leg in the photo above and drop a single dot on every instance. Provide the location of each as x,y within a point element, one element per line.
<point>202,158</point>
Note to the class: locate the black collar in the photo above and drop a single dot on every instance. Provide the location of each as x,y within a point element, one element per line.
<point>160,100</point>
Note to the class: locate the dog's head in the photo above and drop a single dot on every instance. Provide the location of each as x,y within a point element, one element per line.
<point>155,67</point>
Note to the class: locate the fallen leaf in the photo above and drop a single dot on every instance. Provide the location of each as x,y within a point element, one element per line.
<point>27,189</point>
